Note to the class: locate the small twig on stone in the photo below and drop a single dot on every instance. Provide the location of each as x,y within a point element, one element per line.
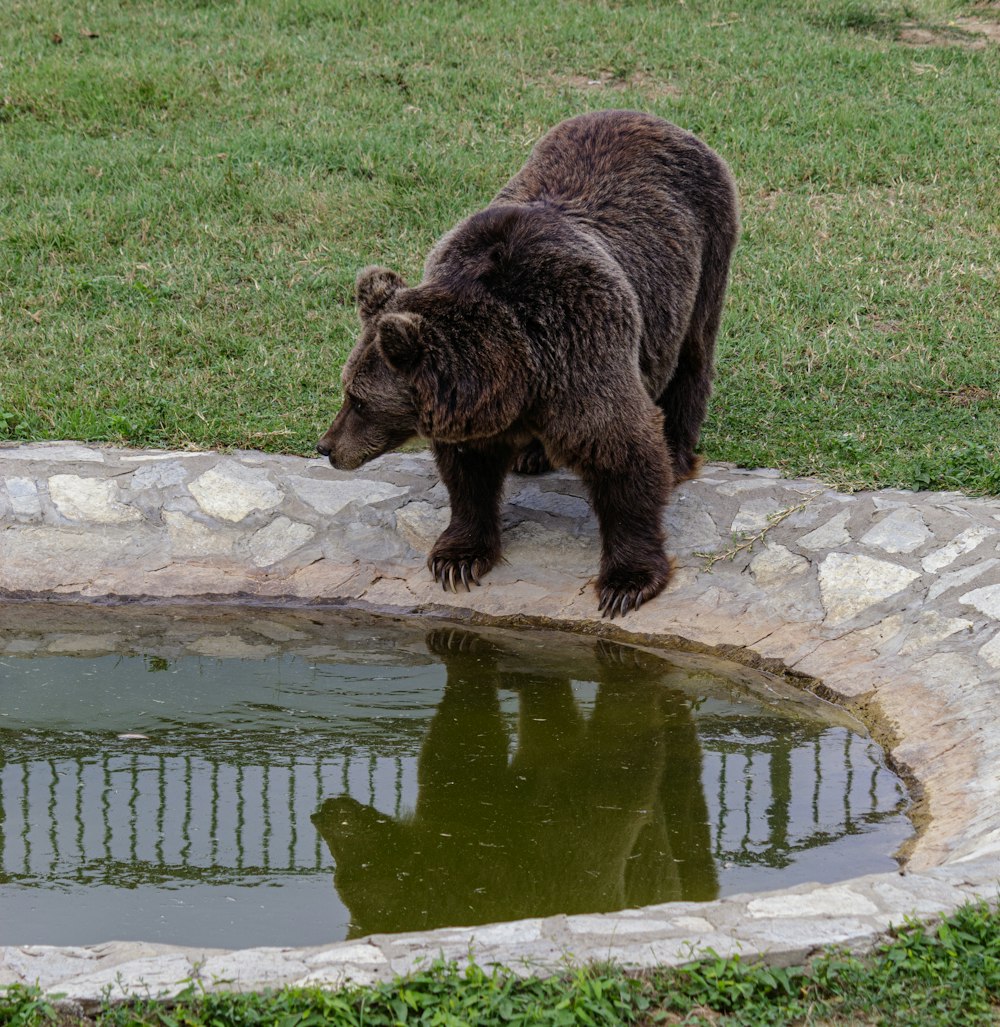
<point>747,542</point>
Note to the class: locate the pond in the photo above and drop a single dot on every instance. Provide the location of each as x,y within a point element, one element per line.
<point>299,779</point>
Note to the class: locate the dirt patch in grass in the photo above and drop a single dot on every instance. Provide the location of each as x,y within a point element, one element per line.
<point>648,85</point>
<point>969,395</point>
<point>970,33</point>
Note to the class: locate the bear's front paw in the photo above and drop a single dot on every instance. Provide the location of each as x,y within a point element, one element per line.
<point>623,589</point>
<point>452,569</point>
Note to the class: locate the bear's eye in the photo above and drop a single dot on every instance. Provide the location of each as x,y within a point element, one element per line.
<point>357,405</point>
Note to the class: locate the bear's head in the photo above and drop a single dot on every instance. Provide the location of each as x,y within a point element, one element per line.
<point>378,412</point>
<point>431,360</point>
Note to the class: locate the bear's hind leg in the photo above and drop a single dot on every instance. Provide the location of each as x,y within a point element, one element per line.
<point>685,399</point>
<point>532,459</point>
<point>684,403</point>
<point>474,474</point>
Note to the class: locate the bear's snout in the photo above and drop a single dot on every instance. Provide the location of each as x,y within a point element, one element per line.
<point>342,457</point>
<point>327,446</point>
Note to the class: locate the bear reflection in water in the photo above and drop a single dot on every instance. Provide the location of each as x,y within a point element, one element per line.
<point>591,813</point>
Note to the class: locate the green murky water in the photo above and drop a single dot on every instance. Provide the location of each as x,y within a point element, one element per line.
<point>304,783</point>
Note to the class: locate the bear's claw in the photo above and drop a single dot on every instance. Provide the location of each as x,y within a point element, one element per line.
<point>448,573</point>
<point>614,603</point>
<point>628,590</point>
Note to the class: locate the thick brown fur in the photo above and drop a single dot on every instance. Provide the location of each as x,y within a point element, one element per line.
<point>572,322</point>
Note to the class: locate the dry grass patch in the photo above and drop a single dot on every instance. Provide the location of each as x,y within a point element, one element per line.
<point>969,395</point>
<point>607,82</point>
<point>969,33</point>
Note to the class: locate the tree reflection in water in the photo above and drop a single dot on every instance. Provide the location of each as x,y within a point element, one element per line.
<point>590,813</point>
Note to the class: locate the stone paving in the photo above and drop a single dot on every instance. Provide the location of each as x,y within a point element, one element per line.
<point>886,602</point>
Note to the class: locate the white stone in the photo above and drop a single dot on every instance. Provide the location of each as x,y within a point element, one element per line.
<point>338,976</point>
<point>689,526</point>
<point>24,500</point>
<point>827,536</point>
<point>535,498</point>
<point>419,464</point>
<point>891,499</point>
<point>152,976</point>
<point>959,546</point>
<point>47,965</point>
<point>517,933</point>
<point>278,540</point>
<point>231,492</point>
<point>43,557</point>
<point>359,953</point>
<point>148,454</point>
<point>985,600</point>
<point>991,651</point>
<point>610,926</point>
<point>986,846</point>
<point>352,542</point>
<point>879,634</point>
<point>189,537</point>
<point>8,976</point>
<point>252,968</point>
<point>837,901</point>
<point>47,951</point>
<point>797,938</point>
<point>947,672</point>
<point>330,497</point>
<point>756,515</point>
<point>930,629</point>
<point>159,475</point>
<point>955,579</point>
<point>916,895</point>
<point>420,524</point>
<point>529,544</point>
<point>850,584</point>
<point>691,923</point>
<point>668,951</point>
<point>734,488</point>
<point>90,499</point>
<point>901,531</point>
<point>62,451</point>
<point>775,565</point>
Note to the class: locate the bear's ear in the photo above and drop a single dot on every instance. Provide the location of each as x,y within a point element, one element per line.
<point>400,340</point>
<point>374,288</point>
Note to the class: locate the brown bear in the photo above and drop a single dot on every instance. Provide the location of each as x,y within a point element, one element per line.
<point>573,321</point>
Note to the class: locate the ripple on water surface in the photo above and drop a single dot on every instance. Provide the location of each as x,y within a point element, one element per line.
<point>367,776</point>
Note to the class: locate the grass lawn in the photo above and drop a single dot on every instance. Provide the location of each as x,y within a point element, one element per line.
<point>189,188</point>
<point>945,975</point>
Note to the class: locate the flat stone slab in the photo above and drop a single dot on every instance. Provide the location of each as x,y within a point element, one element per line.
<point>886,602</point>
